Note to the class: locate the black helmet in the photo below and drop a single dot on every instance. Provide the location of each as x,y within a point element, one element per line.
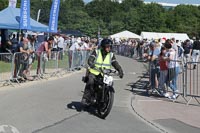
<point>106,42</point>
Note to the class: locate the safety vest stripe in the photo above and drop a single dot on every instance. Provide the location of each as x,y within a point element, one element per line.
<point>97,52</point>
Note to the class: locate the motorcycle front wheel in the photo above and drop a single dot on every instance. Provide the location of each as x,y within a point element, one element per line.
<point>105,107</point>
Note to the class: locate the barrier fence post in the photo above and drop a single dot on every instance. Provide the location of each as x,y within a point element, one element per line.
<point>6,68</point>
<point>184,78</point>
<point>63,63</point>
<point>20,64</point>
<point>72,61</point>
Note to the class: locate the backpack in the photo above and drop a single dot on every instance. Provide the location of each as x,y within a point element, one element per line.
<point>186,49</point>
<point>180,51</point>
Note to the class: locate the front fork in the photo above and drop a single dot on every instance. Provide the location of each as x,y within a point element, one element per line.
<point>103,90</point>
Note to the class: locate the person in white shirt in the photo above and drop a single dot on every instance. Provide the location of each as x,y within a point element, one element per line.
<point>73,54</point>
<point>60,46</point>
<point>55,47</point>
<point>85,45</point>
<point>85,49</point>
<point>174,69</point>
<point>55,43</point>
<point>60,43</point>
<point>74,46</point>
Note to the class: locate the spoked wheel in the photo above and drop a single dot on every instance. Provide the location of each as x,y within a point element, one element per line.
<point>105,107</point>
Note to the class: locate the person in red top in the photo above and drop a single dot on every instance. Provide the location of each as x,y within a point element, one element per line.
<point>163,71</point>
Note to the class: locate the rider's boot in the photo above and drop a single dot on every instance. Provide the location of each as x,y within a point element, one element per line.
<point>86,97</point>
<point>85,102</point>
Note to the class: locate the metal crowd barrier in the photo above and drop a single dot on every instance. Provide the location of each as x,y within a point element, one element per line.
<point>168,75</point>
<point>33,63</point>
<point>63,62</point>
<point>49,64</point>
<point>179,70</point>
<point>77,59</point>
<point>192,84</point>
<point>18,67</point>
<point>6,68</point>
<point>187,81</point>
<point>20,64</point>
<point>124,50</point>
<point>85,55</point>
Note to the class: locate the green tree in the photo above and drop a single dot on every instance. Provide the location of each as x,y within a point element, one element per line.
<point>111,16</point>
<point>102,9</point>
<point>129,4</point>
<point>187,19</point>
<point>4,4</point>
<point>151,17</point>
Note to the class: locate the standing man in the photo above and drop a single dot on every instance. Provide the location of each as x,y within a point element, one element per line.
<point>60,42</point>
<point>196,52</point>
<point>154,71</point>
<point>73,53</point>
<point>60,45</point>
<point>187,51</point>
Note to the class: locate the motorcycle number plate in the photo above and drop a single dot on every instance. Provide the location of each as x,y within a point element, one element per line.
<point>107,79</point>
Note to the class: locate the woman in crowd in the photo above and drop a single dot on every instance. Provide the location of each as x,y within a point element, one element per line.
<point>45,46</point>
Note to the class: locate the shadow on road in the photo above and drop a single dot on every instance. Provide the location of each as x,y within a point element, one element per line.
<point>75,106</point>
<point>79,107</point>
<point>141,86</point>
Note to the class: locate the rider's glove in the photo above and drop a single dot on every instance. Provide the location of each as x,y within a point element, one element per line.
<point>92,66</point>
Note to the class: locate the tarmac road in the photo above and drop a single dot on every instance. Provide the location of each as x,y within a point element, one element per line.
<point>53,106</point>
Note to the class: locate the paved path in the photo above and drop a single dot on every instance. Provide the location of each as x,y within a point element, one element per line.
<point>170,116</point>
<point>45,107</point>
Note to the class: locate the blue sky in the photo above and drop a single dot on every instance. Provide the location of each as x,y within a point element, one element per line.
<point>170,1</point>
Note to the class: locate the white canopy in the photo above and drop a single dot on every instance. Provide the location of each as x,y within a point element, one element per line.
<point>156,35</point>
<point>125,34</point>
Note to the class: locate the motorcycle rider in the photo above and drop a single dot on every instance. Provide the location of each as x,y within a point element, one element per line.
<point>101,58</point>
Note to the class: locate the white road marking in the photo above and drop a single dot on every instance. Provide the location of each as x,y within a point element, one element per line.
<point>149,100</point>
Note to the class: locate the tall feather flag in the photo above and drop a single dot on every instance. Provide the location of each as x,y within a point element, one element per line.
<point>53,20</point>
<point>25,15</point>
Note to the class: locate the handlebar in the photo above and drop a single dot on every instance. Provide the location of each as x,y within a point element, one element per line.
<point>107,71</point>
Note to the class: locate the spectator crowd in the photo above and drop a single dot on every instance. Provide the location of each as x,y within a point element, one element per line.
<point>33,47</point>
<point>166,57</point>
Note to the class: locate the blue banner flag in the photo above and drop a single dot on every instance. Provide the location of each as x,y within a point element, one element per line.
<point>25,15</point>
<point>53,21</point>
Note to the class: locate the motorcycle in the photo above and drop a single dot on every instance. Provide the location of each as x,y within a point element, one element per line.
<point>103,95</point>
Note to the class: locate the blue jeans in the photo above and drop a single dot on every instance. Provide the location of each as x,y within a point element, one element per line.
<point>173,84</point>
<point>154,73</point>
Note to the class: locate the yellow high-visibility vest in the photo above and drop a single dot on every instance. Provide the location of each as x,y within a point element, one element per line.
<point>100,63</point>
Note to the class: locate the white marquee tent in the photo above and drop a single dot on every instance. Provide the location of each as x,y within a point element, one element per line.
<point>125,34</point>
<point>156,35</point>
